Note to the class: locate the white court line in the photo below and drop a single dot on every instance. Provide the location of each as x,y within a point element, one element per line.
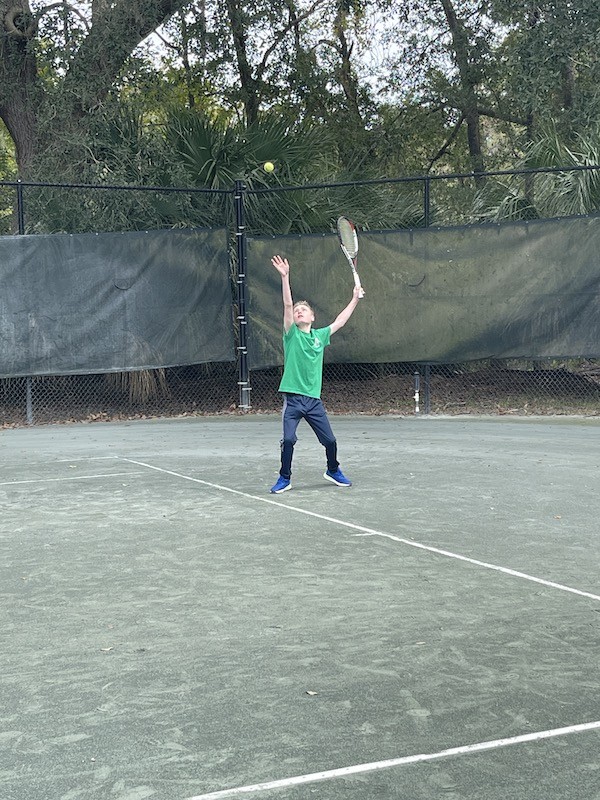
<point>85,458</point>
<point>72,478</point>
<point>397,762</point>
<point>506,570</point>
<point>371,532</point>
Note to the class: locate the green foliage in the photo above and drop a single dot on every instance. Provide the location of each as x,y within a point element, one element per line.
<point>549,62</point>
<point>214,155</point>
<point>8,172</point>
<point>8,167</point>
<point>121,146</point>
<point>565,192</point>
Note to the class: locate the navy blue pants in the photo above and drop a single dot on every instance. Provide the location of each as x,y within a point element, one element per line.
<point>295,408</point>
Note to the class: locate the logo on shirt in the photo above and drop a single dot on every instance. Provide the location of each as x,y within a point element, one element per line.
<point>317,343</point>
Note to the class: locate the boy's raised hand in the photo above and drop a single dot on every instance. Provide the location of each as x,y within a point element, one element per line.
<point>281,265</point>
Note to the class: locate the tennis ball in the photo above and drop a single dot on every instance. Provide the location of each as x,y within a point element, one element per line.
<point>268,166</point>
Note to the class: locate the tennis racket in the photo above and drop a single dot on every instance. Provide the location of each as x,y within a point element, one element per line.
<point>349,244</point>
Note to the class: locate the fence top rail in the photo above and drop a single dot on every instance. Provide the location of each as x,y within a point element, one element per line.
<point>428,178</point>
<point>123,187</point>
<point>267,190</point>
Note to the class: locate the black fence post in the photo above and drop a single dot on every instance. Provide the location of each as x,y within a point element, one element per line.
<point>240,234</point>
<point>427,202</point>
<point>20,208</point>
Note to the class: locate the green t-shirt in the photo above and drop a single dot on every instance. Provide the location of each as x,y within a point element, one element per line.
<point>303,360</point>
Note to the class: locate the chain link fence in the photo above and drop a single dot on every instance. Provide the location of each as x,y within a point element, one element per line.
<point>176,391</point>
<point>516,387</point>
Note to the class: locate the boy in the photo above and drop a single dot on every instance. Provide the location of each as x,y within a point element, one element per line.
<point>302,378</point>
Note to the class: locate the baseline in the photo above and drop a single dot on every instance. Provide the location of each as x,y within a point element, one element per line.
<point>398,762</point>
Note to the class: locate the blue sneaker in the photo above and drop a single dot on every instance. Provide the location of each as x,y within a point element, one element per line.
<point>337,477</point>
<point>282,485</point>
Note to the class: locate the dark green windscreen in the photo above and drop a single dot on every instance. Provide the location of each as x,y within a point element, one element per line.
<point>518,290</point>
<point>113,301</point>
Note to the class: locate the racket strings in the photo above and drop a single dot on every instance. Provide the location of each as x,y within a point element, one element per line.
<point>348,237</point>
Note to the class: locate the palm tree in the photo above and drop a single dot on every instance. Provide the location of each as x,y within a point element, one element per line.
<point>572,187</point>
<point>309,187</point>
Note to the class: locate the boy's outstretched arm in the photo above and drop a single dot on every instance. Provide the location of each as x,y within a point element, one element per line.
<point>283,268</point>
<point>343,317</point>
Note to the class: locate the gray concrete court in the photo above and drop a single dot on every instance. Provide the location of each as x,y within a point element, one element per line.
<point>173,631</point>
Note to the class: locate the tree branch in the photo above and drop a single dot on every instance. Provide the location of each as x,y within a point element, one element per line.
<point>492,113</point>
<point>109,43</point>
<point>45,9</point>
<point>444,148</point>
<point>282,33</point>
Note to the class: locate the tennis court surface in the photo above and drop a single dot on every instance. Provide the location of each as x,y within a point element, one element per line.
<point>173,631</point>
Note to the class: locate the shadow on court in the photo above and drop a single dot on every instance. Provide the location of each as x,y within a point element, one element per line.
<point>173,631</point>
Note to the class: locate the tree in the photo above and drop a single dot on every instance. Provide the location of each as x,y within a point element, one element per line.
<point>293,57</point>
<point>549,62</point>
<point>497,70</point>
<point>45,93</point>
<point>445,53</point>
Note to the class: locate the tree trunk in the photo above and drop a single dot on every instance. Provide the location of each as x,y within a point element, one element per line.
<point>345,73</point>
<point>249,92</point>
<point>469,80</point>
<point>18,82</point>
<point>116,30</point>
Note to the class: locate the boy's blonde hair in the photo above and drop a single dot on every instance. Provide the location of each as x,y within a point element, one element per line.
<point>304,303</point>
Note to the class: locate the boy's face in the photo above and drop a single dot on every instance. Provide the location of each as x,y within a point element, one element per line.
<point>303,314</point>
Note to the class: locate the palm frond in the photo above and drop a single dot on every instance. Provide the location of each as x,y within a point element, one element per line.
<point>572,187</point>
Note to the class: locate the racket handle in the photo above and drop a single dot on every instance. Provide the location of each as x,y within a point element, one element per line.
<point>361,292</point>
